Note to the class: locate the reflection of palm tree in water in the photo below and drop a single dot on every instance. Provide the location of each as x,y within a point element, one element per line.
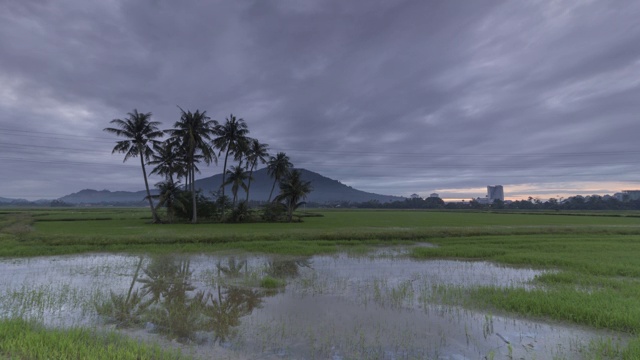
<point>224,311</point>
<point>230,303</point>
<point>233,268</point>
<point>282,268</point>
<point>166,279</point>
<point>166,285</point>
<point>168,299</point>
<point>177,314</point>
<point>124,310</point>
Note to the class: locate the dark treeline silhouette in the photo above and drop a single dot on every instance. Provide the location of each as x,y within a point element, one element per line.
<point>578,202</point>
<point>412,203</point>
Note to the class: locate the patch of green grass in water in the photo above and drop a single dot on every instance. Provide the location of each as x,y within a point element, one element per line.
<point>596,281</point>
<point>20,339</point>
<point>269,282</point>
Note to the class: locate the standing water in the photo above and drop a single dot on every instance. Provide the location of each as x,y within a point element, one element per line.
<point>380,306</point>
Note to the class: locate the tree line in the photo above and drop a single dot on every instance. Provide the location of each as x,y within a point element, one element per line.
<point>196,139</point>
<point>578,202</point>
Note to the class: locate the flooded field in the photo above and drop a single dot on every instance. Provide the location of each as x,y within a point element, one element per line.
<point>379,306</point>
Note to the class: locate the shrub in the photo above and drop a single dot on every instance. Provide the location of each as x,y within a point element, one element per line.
<point>240,213</point>
<point>274,212</point>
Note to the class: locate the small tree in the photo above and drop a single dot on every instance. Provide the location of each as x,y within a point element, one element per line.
<point>141,135</point>
<point>192,133</point>
<point>257,153</point>
<point>278,167</point>
<point>232,139</point>
<point>292,190</point>
<point>237,177</point>
<point>273,211</point>
<point>168,161</point>
<point>170,197</point>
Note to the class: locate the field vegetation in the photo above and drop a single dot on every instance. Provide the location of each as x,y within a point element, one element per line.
<point>46,232</point>
<point>596,281</point>
<point>27,340</point>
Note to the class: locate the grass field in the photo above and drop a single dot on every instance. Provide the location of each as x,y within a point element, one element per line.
<point>42,232</point>
<point>24,340</point>
<point>597,282</point>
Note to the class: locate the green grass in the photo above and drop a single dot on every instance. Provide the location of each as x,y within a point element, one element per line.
<point>589,254</point>
<point>269,282</point>
<point>20,339</point>
<point>597,282</point>
<point>44,232</point>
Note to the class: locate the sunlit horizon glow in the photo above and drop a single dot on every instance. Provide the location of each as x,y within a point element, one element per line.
<point>542,192</point>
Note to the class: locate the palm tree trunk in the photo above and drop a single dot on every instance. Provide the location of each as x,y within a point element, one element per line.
<point>170,212</point>
<point>133,281</point>
<point>249,185</point>
<point>272,187</point>
<point>290,211</point>
<point>146,185</point>
<point>194,218</point>
<point>224,176</point>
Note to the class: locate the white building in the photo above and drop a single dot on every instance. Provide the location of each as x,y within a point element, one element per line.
<point>495,192</point>
<point>628,195</point>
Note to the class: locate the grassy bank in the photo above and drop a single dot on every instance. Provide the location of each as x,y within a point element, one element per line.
<point>20,339</point>
<point>596,282</point>
<point>43,232</point>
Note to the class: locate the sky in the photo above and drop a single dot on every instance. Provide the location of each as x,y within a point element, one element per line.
<point>392,97</point>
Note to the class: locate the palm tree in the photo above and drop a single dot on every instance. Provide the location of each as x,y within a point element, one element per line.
<point>257,153</point>
<point>232,138</point>
<point>193,132</point>
<point>168,161</point>
<point>169,196</point>
<point>236,178</point>
<point>292,190</point>
<point>278,167</point>
<point>140,134</point>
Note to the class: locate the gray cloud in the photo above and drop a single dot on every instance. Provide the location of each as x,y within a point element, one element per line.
<point>392,97</point>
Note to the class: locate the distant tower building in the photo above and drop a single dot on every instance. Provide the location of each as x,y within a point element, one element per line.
<point>415,196</point>
<point>434,195</point>
<point>495,193</point>
<point>628,195</point>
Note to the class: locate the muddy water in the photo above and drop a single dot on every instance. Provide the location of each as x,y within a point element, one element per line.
<point>380,306</point>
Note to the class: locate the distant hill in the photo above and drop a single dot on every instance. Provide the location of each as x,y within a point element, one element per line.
<point>89,196</point>
<point>325,190</point>
<point>22,202</point>
<point>12,201</point>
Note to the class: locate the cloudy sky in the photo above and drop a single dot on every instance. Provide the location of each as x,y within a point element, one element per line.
<point>394,97</point>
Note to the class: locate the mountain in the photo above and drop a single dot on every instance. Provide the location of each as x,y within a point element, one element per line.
<point>12,201</point>
<point>89,196</point>
<point>22,202</point>
<point>325,190</point>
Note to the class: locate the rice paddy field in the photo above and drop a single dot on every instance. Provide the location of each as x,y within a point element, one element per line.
<point>341,284</point>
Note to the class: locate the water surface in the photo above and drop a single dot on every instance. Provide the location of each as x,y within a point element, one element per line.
<point>379,306</point>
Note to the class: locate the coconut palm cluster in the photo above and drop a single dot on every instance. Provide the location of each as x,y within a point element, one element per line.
<point>195,139</point>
